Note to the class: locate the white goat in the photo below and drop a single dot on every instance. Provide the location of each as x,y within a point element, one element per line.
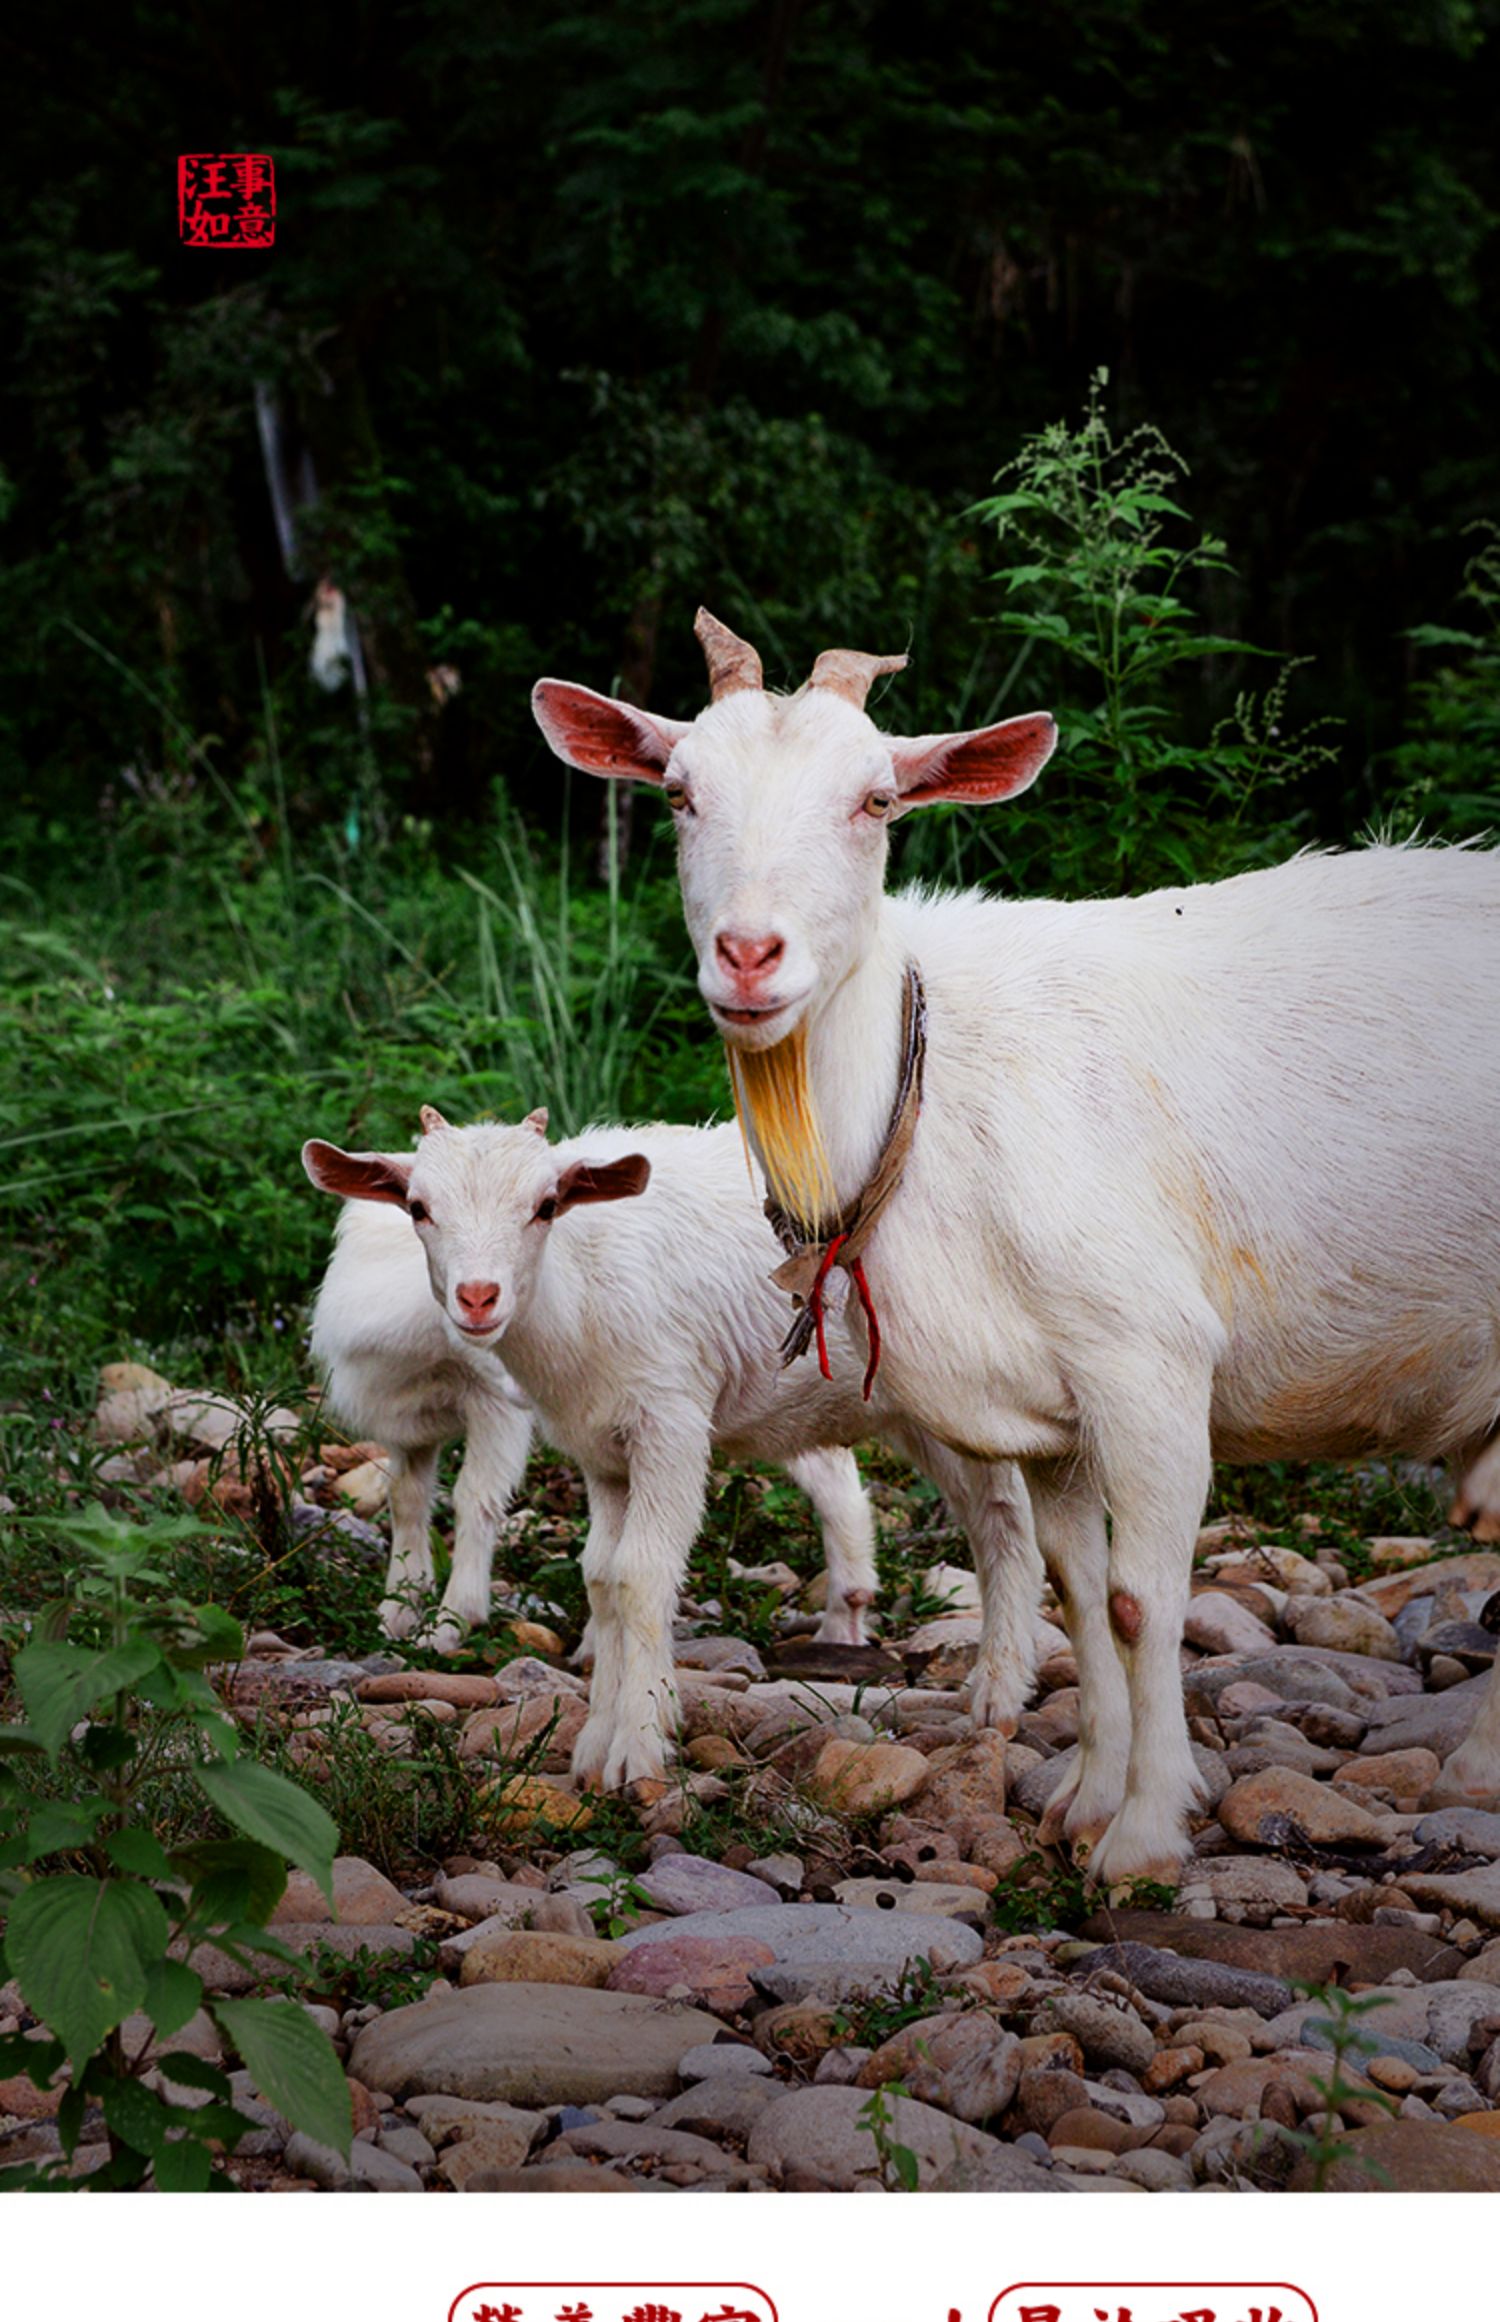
<point>1188,1178</point>
<point>642,1339</point>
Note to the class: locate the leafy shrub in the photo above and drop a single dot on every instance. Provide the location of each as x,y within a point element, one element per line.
<point>1446,766</point>
<point>1104,600</point>
<point>101,1909</point>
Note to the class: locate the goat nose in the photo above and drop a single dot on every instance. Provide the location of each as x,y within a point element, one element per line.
<point>478,1299</point>
<point>749,955</point>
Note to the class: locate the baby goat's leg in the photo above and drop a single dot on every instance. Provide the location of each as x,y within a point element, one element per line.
<point>494,1463</point>
<point>409,1574</point>
<point>831,1481</point>
<point>992,1504</point>
<point>634,1573</point>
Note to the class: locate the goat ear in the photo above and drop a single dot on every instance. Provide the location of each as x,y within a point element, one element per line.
<point>431,1119</point>
<point>357,1176</point>
<point>537,1121</point>
<point>993,762</point>
<point>600,736</point>
<point>602,1181</point>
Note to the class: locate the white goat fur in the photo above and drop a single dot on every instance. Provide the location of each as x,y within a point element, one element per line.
<point>1189,1179</point>
<point>643,1335</point>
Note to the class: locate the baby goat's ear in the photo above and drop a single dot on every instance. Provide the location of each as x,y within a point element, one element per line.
<point>537,1121</point>
<point>602,1181</point>
<point>431,1120</point>
<point>357,1176</point>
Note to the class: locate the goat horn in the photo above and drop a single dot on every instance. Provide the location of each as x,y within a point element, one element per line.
<point>851,675</point>
<point>733,666</point>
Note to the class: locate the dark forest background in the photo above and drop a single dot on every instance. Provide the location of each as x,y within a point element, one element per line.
<point>577,317</point>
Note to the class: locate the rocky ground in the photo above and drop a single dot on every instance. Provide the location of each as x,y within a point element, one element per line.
<point>829,1954</point>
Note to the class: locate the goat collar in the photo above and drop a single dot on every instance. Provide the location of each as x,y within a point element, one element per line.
<point>816,1249</point>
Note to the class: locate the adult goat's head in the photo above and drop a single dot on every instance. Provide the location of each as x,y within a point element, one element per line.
<point>782,804</point>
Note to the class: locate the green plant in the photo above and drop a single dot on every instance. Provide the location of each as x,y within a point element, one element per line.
<point>870,2021</point>
<point>1445,766</point>
<point>618,1908</point>
<point>1110,618</point>
<point>899,2167</point>
<point>103,1912</point>
<point>365,1978</point>
<point>1346,2039</point>
<point>1038,1895</point>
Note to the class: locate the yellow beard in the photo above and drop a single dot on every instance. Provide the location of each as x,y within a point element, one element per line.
<point>774,1104</point>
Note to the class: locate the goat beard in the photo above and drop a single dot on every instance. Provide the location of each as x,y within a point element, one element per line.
<point>773,1101</point>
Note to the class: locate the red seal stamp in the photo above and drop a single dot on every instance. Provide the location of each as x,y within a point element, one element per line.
<point>226,201</point>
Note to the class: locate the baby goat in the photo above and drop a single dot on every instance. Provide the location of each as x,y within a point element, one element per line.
<point>642,1339</point>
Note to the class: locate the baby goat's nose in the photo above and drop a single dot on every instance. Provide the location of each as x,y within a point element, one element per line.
<point>478,1299</point>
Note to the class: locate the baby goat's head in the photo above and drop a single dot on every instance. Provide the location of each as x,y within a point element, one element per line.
<point>481,1200</point>
<point>782,804</point>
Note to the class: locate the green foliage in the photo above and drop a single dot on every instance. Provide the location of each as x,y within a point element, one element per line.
<point>1107,609</point>
<point>1348,2042</point>
<point>97,1900</point>
<point>899,2168</point>
<point>618,1907</point>
<point>1041,1893</point>
<point>1447,765</point>
<point>871,2021</point>
<point>366,1978</point>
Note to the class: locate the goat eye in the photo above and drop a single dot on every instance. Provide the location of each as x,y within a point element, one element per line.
<point>547,1210</point>
<point>879,804</point>
<point>418,1212</point>
<point>675,794</point>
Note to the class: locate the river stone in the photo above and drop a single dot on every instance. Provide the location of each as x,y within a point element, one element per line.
<point>818,1934</point>
<point>724,2060</point>
<point>945,1898</point>
<point>1409,2156</point>
<point>1111,2037</point>
<point>1429,1721</point>
<point>522,1679</point>
<point>1286,1674</point>
<point>539,1957</point>
<point>1466,1826</point>
<point>683,1883</point>
<point>1258,1881</point>
<point>732,1653</point>
<point>965,2064</point>
<point>1317,2032</point>
<point>966,1781</point>
<point>1220,1623</point>
<point>817,2136</point>
<point>853,1777</point>
<point>1262,1808</point>
<point>726,2107</point>
<point>1477,1570</point>
<point>1407,1774</point>
<point>1345,1624</point>
<point>715,1969</point>
<point>530,2043</point>
<point>1476,1893</point>
<point>367,2168</point>
<point>1318,1952</point>
<point>1187,1982</point>
<point>1442,2017</point>
<point>622,2140</point>
<point>362,1897</point>
<point>1032,1788</point>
